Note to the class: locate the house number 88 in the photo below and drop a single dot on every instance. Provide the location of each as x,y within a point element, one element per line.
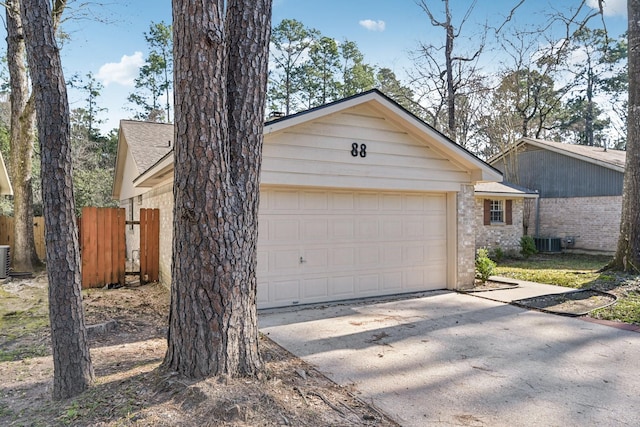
<point>358,151</point>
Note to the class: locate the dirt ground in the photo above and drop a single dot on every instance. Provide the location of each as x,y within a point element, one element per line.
<point>127,347</point>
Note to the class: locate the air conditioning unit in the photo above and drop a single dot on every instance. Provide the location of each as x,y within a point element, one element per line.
<point>5,261</point>
<point>548,244</point>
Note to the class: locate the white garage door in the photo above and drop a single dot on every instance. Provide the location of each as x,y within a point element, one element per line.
<point>327,245</point>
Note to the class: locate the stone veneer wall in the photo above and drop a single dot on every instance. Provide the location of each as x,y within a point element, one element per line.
<point>503,236</point>
<point>159,198</point>
<point>594,221</point>
<point>466,237</point>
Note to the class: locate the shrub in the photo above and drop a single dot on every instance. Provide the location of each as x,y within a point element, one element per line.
<point>497,254</point>
<point>484,265</point>
<point>527,246</point>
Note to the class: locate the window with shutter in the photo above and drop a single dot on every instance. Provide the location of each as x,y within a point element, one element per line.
<point>498,212</point>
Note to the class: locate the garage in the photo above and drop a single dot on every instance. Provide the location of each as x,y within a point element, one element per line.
<point>358,198</point>
<point>327,245</point>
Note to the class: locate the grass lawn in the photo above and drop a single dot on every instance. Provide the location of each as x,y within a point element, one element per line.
<point>574,271</point>
<point>582,272</point>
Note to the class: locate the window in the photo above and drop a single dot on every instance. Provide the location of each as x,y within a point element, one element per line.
<point>496,212</point>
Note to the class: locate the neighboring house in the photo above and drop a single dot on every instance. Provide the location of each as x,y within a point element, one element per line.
<point>502,210</point>
<point>580,190</point>
<point>359,198</point>
<point>5,183</point>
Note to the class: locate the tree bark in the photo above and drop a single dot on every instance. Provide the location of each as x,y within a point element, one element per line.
<point>73,371</point>
<point>218,153</point>
<point>22,136</point>
<point>627,256</point>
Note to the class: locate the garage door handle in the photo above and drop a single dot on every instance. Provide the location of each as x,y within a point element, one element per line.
<point>302,260</point>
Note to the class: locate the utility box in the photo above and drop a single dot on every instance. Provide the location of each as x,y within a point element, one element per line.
<point>5,261</point>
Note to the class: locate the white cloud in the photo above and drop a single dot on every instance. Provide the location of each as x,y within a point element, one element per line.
<point>372,25</point>
<point>611,7</point>
<point>123,72</point>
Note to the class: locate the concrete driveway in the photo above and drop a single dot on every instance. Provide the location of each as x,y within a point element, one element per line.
<point>445,358</point>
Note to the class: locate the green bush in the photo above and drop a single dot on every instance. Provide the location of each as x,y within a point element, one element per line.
<point>527,246</point>
<point>497,254</point>
<point>484,265</point>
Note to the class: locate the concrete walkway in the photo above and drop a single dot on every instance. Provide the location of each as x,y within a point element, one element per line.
<point>447,359</point>
<point>523,290</point>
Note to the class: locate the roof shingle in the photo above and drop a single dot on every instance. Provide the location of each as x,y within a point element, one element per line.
<point>148,141</point>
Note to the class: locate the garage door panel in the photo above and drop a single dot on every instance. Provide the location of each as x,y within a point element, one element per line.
<point>392,202</point>
<point>342,201</point>
<point>285,291</point>
<point>366,202</point>
<point>414,255</point>
<point>262,267</point>
<point>315,229</point>
<point>284,230</point>
<point>392,281</point>
<point>283,260</point>
<point>414,228</point>
<point>368,257</point>
<point>314,201</point>
<point>414,203</point>
<point>391,228</point>
<point>314,289</point>
<point>392,255</point>
<point>351,244</point>
<point>315,258</point>
<point>342,286</point>
<point>415,279</point>
<point>262,294</point>
<point>284,200</point>
<point>367,229</point>
<point>342,229</point>
<point>343,257</point>
<point>435,228</point>
<point>368,284</point>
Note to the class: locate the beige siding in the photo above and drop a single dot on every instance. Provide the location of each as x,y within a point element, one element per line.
<point>130,172</point>
<point>319,154</point>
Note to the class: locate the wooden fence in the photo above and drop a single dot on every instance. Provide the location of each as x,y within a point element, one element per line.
<point>102,244</point>
<point>6,233</point>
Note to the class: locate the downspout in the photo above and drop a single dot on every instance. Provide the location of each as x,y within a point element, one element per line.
<point>537,215</point>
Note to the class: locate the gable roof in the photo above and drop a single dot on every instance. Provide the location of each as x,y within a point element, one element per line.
<point>154,160</point>
<point>402,117</point>
<point>147,142</point>
<point>611,159</point>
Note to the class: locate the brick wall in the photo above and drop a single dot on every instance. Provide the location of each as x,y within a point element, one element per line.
<point>466,237</point>
<point>594,221</point>
<point>503,236</point>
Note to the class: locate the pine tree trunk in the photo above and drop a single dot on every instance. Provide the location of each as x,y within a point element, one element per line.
<point>628,253</point>
<point>219,128</point>
<point>23,115</point>
<point>73,371</point>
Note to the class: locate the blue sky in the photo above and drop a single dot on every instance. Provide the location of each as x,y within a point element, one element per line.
<point>386,31</point>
